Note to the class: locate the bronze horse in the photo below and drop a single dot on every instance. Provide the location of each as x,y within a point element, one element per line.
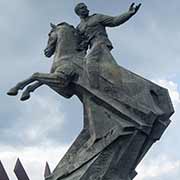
<point>63,44</point>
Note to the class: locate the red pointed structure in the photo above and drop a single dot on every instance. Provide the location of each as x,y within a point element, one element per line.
<point>3,174</point>
<point>20,172</point>
<point>47,171</point>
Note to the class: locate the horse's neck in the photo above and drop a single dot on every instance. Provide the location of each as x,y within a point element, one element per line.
<point>65,48</point>
<point>68,52</point>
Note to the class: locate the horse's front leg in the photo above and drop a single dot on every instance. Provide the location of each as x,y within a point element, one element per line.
<point>29,89</point>
<point>52,79</point>
<point>14,91</point>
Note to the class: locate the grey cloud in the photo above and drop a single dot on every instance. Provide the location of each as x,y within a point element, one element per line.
<point>148,45</point>
<point>45,119</point>
<point>27,25</point>
<point>150,40</point>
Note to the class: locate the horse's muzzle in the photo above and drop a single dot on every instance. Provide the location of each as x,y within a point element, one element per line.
<point>47,53</point>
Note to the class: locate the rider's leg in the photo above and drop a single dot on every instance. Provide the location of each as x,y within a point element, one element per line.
<point>92,65</point>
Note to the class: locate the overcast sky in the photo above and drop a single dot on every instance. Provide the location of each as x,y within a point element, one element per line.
<point>42,128</point>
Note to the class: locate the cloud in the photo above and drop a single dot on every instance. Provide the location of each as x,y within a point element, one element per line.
<point>44,114</point>
<point>173,90</point>
<point>35,121</point>
<point>148,45</point>
<point>163,160</point>
<point>46,117</point>
<point>32,158</point>
<point>159,168</point>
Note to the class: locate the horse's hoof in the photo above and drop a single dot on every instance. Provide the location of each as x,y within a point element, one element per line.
<point>25,97</point>
<point>12,92</point>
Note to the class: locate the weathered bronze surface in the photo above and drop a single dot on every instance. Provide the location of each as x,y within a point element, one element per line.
<point>124,114</point>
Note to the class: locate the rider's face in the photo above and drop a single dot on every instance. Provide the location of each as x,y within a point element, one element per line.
<point>83,11</point>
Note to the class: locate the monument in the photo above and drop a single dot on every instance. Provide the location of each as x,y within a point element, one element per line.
<point>124,114</point>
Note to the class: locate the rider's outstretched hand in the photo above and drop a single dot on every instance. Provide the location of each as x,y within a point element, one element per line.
<point>133,9</point>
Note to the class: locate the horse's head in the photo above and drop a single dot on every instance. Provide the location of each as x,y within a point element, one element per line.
<point>51,45</point>
<point>62,33</point>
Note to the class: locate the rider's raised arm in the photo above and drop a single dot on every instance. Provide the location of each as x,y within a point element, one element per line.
<point>112,21</point>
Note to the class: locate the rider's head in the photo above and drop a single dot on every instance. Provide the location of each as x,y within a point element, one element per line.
<point>81,10</point>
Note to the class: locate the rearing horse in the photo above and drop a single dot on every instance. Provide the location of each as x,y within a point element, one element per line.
<point>63,44</point>
<point>123,117</point>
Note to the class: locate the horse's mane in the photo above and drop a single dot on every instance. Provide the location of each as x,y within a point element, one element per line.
<point>81,45</point>
<point>65,23</point>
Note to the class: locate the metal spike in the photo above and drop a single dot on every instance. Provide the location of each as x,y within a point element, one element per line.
<point>47,171</point>
<point>19,171</point>
<point>3,174</point>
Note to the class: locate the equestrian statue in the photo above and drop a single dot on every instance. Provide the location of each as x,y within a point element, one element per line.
<point>124,114</point>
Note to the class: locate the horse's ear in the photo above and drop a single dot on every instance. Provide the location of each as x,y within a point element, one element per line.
<point>53,25</point>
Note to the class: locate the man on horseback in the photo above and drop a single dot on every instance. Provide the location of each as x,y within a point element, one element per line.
<point>92,27</point>
<point>92,30</point>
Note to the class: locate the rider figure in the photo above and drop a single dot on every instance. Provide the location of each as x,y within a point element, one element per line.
<point>93,27</point>
<point>92,30</point>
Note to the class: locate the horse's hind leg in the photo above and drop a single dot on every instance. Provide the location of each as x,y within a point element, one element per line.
<point>29,89</point>
<point>14,91</point>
